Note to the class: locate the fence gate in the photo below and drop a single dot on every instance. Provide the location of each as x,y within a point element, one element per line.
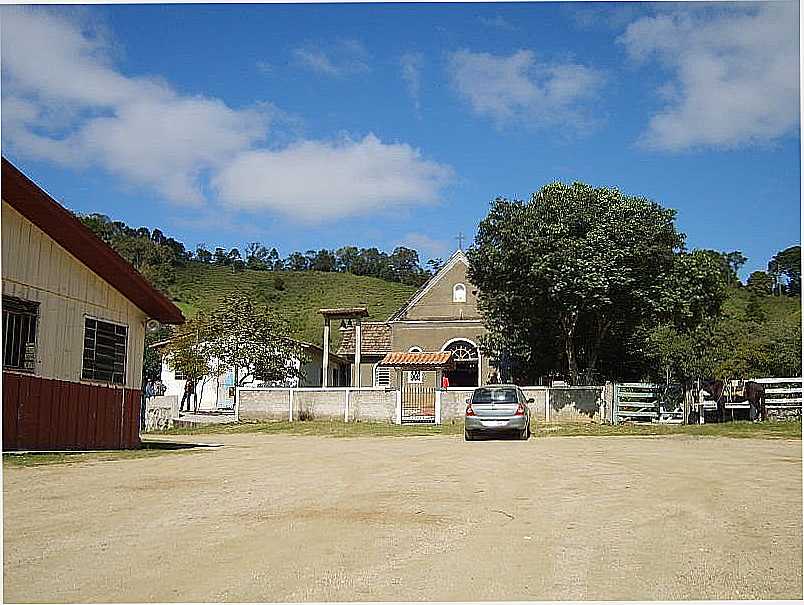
<point>642,402</point>
<point>418,404</point>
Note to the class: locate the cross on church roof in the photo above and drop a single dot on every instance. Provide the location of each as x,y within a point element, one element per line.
<point>460,240</point>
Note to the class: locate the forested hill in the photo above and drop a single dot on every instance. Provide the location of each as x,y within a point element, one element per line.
<point>297,295</point>
<point>297,286</point>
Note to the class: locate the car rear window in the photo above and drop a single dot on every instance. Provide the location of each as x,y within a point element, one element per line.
<point>494,396</point>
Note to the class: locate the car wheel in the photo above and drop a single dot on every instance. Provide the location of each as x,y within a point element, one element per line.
<point>467,436</point>
<point>529,433</point>
<point>523,435</point>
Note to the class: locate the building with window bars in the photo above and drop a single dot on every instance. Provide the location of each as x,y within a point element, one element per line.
<point>74,320</point>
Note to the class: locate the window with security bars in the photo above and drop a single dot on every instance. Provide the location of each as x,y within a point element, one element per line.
<point>19,333</point>
<point>104,351</point>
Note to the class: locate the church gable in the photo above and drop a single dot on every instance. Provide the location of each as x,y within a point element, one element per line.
<point>447,295</point>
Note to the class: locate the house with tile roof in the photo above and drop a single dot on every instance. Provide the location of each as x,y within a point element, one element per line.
<point>441,316</point>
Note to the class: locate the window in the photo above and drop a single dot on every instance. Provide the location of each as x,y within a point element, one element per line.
<point>104,351</point>
<point>382,376</point>
<point>415,376</point>
<point>491,395</point>
<point>19,333</point>
<point>459,293</point>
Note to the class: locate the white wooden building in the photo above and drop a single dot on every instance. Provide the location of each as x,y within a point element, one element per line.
<point>74,318</point>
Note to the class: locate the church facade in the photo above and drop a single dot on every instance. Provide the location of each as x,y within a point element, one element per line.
<point>441,316</point>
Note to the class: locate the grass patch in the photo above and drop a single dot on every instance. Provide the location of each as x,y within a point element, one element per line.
<point>744,429</point>
<point>766,430</point>
<point>148,449</point>
<point>322,428</point>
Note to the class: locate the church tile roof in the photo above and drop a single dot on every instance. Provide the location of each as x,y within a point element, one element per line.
<point>376,339</point>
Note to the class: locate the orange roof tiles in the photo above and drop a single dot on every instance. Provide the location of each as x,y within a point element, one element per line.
<point>418,360</point>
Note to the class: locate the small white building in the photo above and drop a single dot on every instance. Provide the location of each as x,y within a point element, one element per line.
<point>217,392</point>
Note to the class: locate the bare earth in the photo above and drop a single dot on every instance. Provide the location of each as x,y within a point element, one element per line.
<point>288,518</point>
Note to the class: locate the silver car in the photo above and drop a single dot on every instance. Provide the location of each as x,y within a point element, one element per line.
<point>495,409</point>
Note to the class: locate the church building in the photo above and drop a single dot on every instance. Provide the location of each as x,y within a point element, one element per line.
<point>441,316</point>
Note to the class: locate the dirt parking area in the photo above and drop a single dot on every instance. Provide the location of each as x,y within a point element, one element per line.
<point>289,518</point>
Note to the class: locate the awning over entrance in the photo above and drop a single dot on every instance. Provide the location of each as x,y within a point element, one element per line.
<point>344,312</point>
<point>443,360</point>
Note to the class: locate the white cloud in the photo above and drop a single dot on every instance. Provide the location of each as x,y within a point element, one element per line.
<point>735,75</point>
<point>314,180</point>
<point>518,89</point>
<point>64,102</point>
<point>342,58</point>
<point>411,72</point>
<point>138,128</point>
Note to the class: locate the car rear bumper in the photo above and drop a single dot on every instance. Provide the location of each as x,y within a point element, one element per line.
<point>478,424</point>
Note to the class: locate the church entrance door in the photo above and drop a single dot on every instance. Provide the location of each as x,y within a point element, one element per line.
<point>466,358</point>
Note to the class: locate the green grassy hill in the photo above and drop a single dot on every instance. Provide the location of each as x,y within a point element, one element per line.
<point>200,286</point>
<point>774,308</point>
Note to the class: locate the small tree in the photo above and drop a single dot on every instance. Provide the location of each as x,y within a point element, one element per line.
<point>240,334</point>
<point>760,283</point>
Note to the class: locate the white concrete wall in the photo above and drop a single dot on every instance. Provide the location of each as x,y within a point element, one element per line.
<point>570,404</point>
<point>337,403</point>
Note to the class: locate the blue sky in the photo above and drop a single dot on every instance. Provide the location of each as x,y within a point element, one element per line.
<point>310,126</point>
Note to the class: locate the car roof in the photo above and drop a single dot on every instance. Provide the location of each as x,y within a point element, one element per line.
<point>498,386</point>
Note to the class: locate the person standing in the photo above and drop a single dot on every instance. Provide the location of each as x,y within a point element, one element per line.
<point>189,391</point>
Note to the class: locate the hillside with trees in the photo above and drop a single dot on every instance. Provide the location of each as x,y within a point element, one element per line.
<point>295,286</point>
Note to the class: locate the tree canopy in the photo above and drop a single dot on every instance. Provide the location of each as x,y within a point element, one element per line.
<point>572,278</point>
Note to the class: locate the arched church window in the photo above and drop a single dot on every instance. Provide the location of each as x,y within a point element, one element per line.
<point>459,293</point>
<point>462,351</point>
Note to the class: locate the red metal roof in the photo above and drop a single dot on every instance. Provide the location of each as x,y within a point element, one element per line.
<point>25,196</point>
<point>442,359</point>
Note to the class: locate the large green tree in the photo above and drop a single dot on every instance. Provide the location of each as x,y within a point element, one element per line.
<point>577,267</point>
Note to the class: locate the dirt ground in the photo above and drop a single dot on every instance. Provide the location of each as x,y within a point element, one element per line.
<point>288,518</point>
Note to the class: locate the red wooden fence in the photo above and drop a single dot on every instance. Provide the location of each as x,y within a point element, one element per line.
<point>44,414</point>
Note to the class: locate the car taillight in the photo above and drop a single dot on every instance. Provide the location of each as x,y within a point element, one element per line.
<point>469,410</point>
<point>520,410</point>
